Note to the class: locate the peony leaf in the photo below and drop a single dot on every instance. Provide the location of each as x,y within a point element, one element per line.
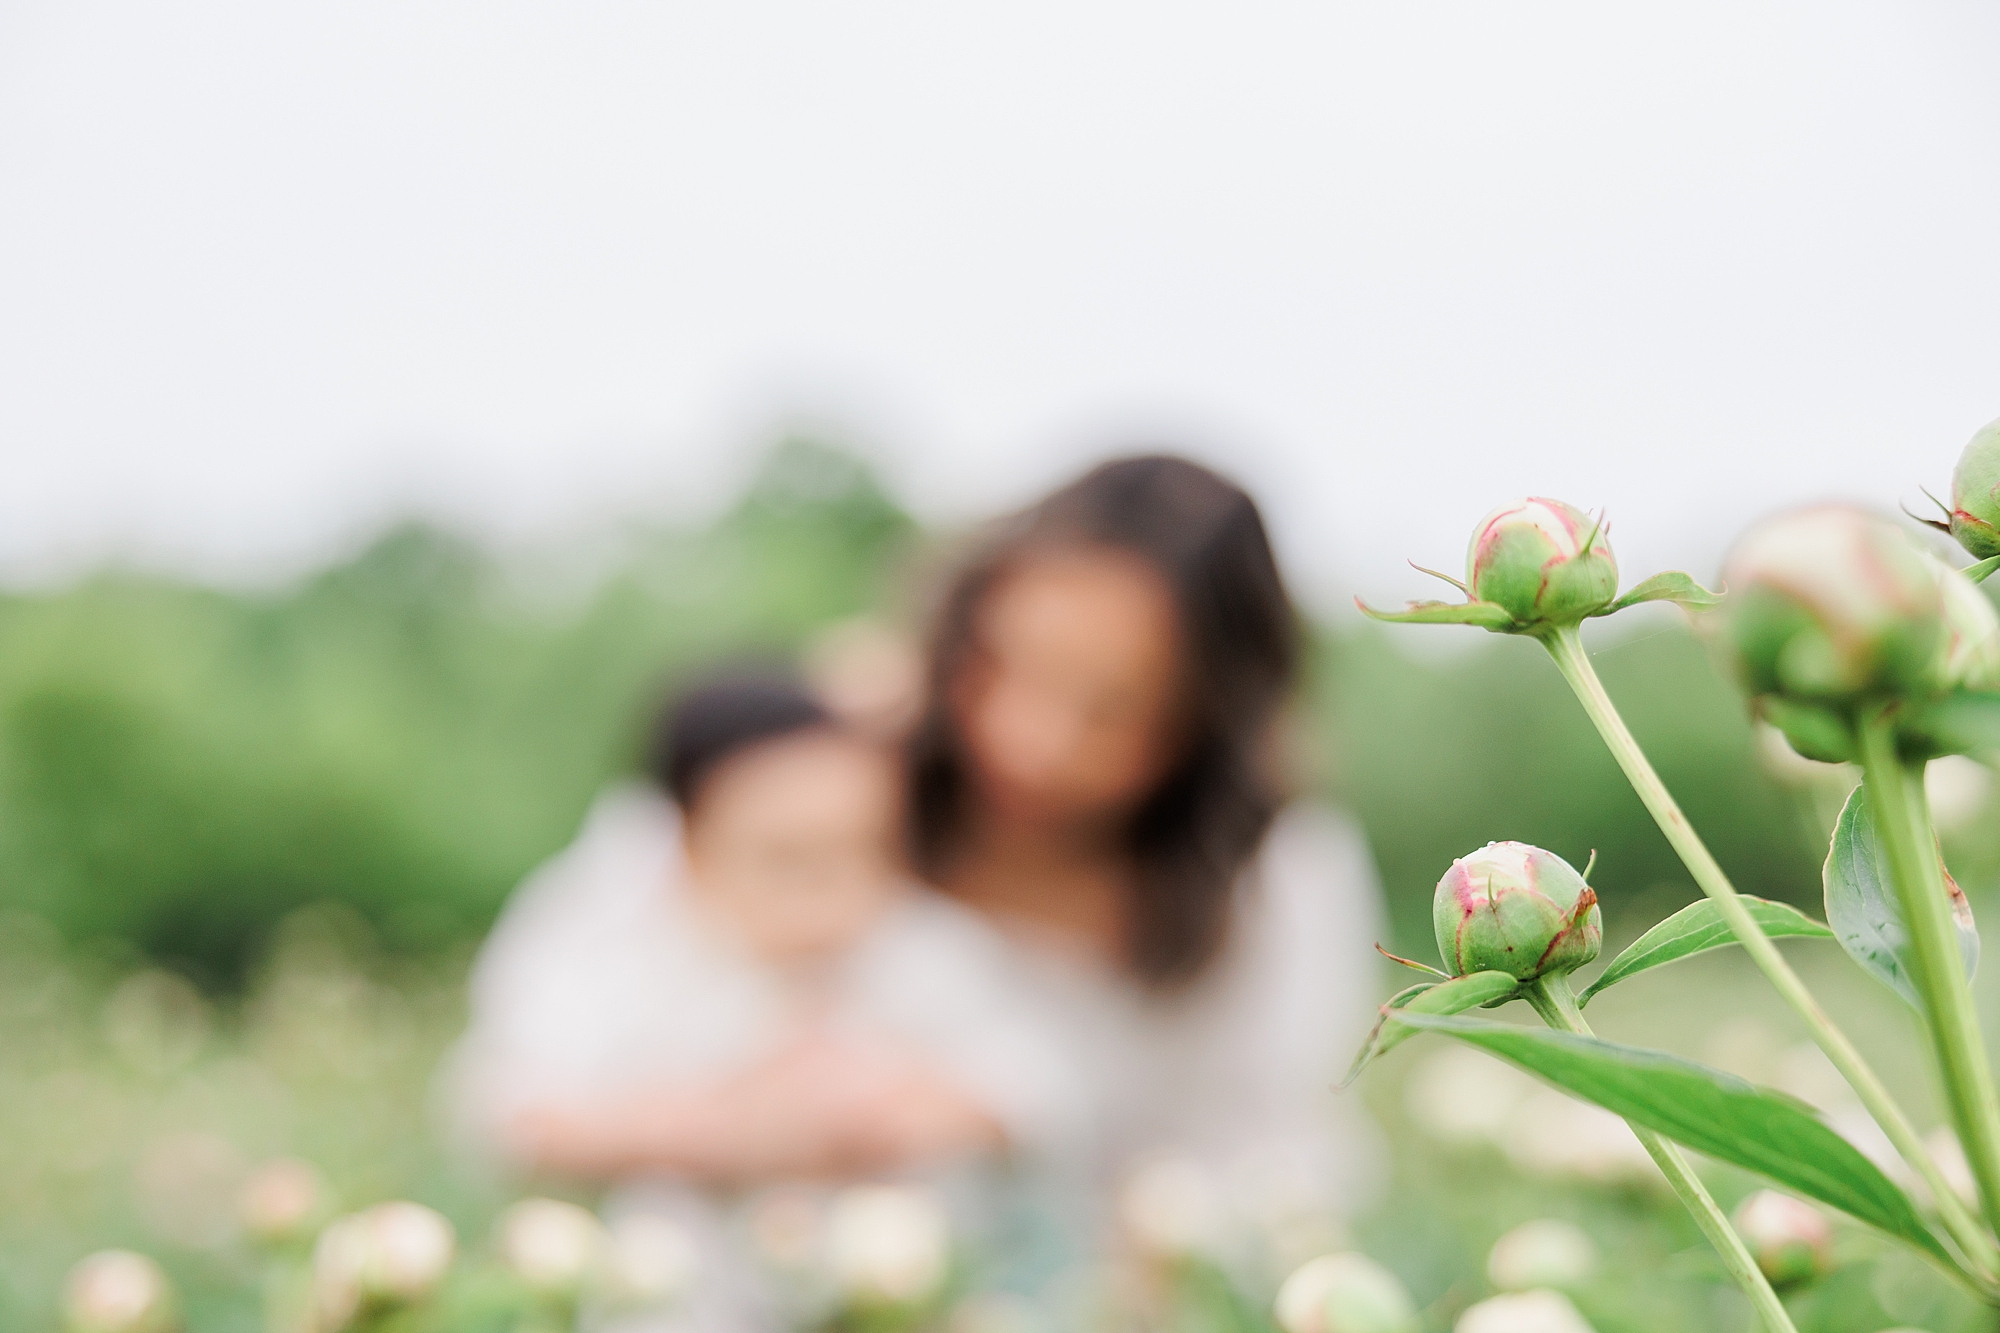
<point>1980,572</point>
<point>1671,586</point>
<point>1446,997</point>
<point>1698,928</point>
<point>1707,1110</point>
<point>1864,911</point>
<point>1486,615</point>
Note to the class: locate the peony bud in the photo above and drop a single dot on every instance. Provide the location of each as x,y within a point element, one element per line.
<point>1512,908</point>
<point>117,1291</point>
<point>281,1201</point>
<point>1344,1293</point>
<point>552,1246</point>
<point>1548,1253</point>
<point>1790,1239</point>
<point>1171,1208</point>
<point>1832,605</point>
<point>887,1246</point>
<point>1527,1312</point>
<point>1975,494</point>
<point>652,1259</point>
<point>391,1254</point>
<point>1543,561</point>
<point>1972,631</point>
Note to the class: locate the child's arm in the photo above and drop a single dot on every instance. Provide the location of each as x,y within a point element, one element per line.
<point>823,1107</point>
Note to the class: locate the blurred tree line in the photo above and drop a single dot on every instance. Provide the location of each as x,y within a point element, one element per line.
<point>410,732</point>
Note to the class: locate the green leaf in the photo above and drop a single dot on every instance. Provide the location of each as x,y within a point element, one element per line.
<point>1979,573</point>
<point>1447,997</point>
<point>1671,586</point>
<point>1815,733</point>
<point>1486,615</point>
<point>1698,928</point>
<point>1707,1110</point>
<point>1864,910</point>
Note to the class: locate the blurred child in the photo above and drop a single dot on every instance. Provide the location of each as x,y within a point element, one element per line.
<point>728,977</point>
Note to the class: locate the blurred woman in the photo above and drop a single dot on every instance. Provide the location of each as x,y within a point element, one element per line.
<point>1100,772</point>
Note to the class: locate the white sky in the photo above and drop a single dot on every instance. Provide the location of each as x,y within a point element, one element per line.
<point>271,273</point>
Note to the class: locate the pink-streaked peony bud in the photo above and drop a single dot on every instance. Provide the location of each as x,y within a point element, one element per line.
<point>887,1246</point>
<point>1833,605</point>
<point>1972,632</point>
<point>1525,1312</point>
<point>1975,494</point>
<point>1513,908</point>
<point>1545,1253</point>
<point>551,1246</point>
<point>1344,1293</point>
<point>1790,1239</point>
<point>1545,562</point>
<point>117,1291</point>
<point>282,1201</point>
<point>389,1255</point>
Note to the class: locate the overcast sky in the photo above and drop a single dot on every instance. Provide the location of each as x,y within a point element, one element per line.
<point>273,273</point>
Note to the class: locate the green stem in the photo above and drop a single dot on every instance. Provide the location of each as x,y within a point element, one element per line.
<point>1556,1003</point>
<point>1896,797</point>
<point>1566,647</point>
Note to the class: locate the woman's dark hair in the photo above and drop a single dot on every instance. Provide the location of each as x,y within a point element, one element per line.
<point>1195,832</point>
<point>703,726</point>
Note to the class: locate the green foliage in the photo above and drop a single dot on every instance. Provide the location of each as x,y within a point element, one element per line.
<point>407,733</point>
<point>1709,1111</point>
<point>1865,912</point>
<point>1697,928</point>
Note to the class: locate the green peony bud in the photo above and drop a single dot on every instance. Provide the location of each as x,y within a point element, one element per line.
<point>1972,632</point>
<point>1543,561</point>
<point>1831,605</point>
<point>1975,494</point>
<point>1791,1240</point>
<point>1344,1293</point>
<point>1517,909</point>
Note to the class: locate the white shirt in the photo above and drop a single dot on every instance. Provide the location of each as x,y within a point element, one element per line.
<point>600,978</point>
<point>1236,1074</point>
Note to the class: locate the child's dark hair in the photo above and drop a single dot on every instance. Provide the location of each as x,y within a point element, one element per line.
<point>702,727</point>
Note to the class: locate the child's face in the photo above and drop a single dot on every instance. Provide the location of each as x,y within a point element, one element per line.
<point>792,843</point>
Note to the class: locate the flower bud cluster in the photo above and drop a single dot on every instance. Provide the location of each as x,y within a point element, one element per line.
<point>1513,908</point>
